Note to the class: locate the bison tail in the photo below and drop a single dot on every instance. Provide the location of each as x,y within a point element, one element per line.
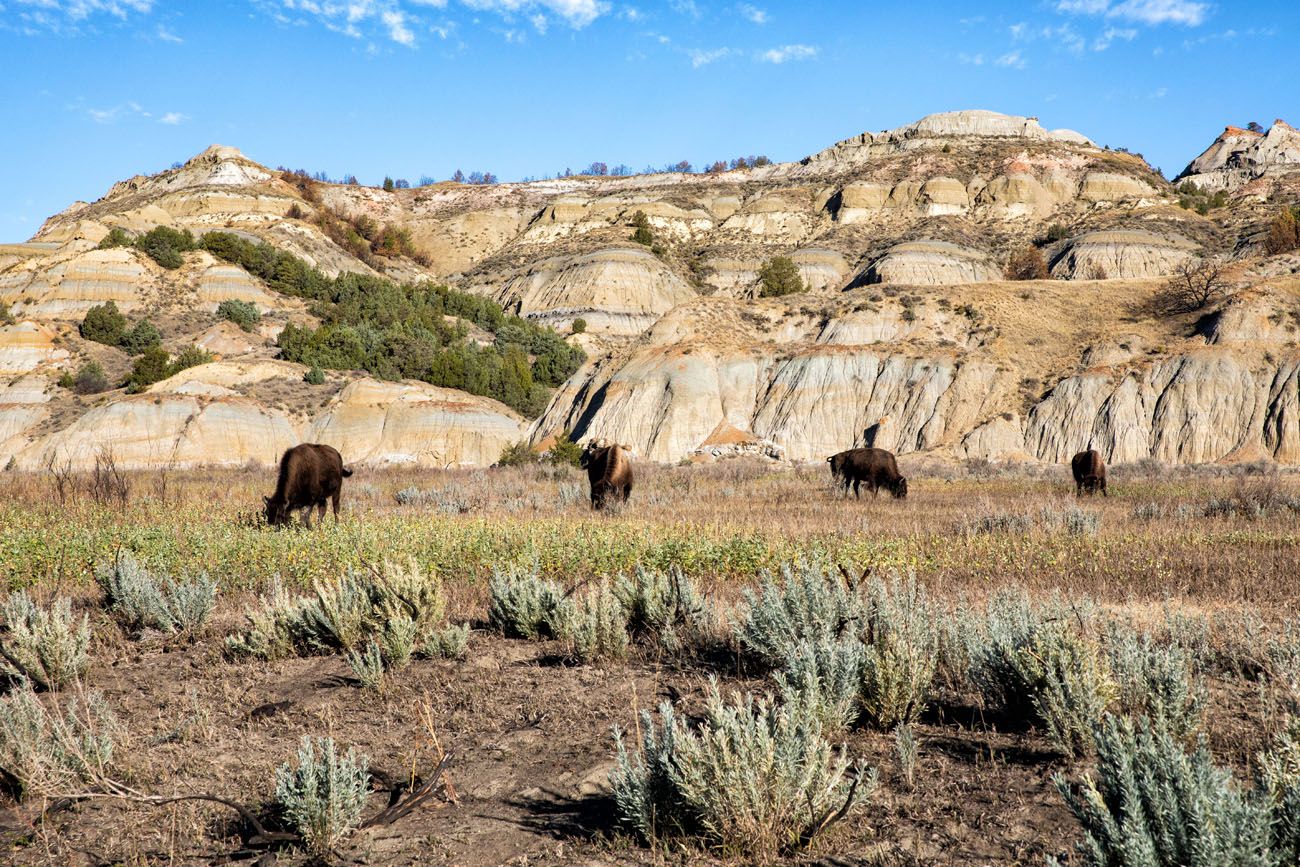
<point>346,472</point>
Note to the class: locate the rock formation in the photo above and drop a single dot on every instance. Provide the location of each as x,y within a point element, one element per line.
<point>1239,156</point>
<point>908,336</point>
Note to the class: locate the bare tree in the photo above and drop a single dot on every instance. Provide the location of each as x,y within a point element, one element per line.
<point>109,484</point>
<point>1195,285</point>
<point>62,480</point>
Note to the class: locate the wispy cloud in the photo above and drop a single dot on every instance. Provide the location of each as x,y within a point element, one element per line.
<point>971,59</point>
<point>752,13</point>
<point>400,22</point>
<point>788,52</point>
<point>686,7</point>
<point>701,57</point>
<point>67,16</point>
<point>1012,59</point>
<point>1110,34</point>
<point>167,36</point>
<point>1189,13</point>
<point>129,110</point>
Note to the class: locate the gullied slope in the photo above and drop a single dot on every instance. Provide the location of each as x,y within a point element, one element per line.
<point>907,336</point>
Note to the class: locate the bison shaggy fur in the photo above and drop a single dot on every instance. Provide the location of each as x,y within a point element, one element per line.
<point>876,468</point>
<point>1089,473</point>
<point>609,471</point>
<point>310,474</point>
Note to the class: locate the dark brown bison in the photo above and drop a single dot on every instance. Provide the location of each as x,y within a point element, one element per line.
<point>310,474</point>
<point>610,472</point>
<point>1089,473</point>
<point>876,468</point>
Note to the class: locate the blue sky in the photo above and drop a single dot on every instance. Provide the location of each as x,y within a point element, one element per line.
<point>97,90</point>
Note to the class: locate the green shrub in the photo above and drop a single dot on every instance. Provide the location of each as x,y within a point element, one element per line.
<point>141,337</point>
<point>242,313</point>
<point>564,451</point>
<point>89,379</point>
<point>155,365</point>
<point>809,604</point>
<point>1043,670</point>
<point>165,245</point>
<point>597,628</point>
<point>902,651</point>
<point>1155,681</point>
<point>314,376</point>
<point>140,601</point>
<point>51,754</point>
<point>823,680</point>
<point>642,233</point>
<point>116,237</point>
<point>104,324</point>
<point>579,326</point>
<point>369,666</point>
<point>779,276</point>
<point>1151,803</point>
<point>525,605</point>
<point>7,318</point>
<point>449,643</point>
<point>518,454</point>
<point>152,366</point>
<point>663,607</point>
<point>45,646</point>
<point>755,780</point>
<point>400,607</point>
<point>323,796</point>
<point>403,331</point>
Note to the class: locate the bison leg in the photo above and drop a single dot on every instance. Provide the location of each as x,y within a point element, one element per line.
<point>336,506</point>
<point>305,517</point>
<point>627,491</point>
<point>320,514</point>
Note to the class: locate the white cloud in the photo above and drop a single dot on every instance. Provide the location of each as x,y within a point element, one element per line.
<point>705,57</point>
<point>400,20</point>
<point>788,52</point>
<point>173,118</point>
<point>128,109</point>
<point>395,21</point>
<point>577,13</point>
<point>685,7</point>
<point>1011,59</point>
<point>752,13</point>
<point>1159,93</point>
<point>30,17</point>
<point>1189,13</point>
<point>167,36</point>
<point>1104,41</point>
<point>972,59</point>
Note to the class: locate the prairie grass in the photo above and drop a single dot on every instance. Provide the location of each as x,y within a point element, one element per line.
<point>721,524</point>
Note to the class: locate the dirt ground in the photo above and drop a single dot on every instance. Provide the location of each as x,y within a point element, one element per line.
<point>530,735</point>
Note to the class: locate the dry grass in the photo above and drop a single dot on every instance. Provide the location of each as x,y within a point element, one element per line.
<point>723,523</point>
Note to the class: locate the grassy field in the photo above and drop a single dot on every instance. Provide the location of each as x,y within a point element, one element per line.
<point>1203,563</point>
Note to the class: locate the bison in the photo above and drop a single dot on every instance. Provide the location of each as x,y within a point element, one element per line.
<point>876,467</point>
<point>609,471</point>
<point>1089,473</point>
<point>310,474</point>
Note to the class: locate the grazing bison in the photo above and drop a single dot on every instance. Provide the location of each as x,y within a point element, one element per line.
<point>310,474</point>
<point>609,471</point>
<point>876,467</point>
<point>1089,473</point>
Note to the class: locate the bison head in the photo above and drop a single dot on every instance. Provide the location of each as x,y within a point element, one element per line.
<point>837,465</point>
<point>899,489</point>
<point>1091,484</point>
<point>275,513</point>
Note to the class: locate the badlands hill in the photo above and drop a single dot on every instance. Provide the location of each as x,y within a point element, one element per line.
<point>908,335</point>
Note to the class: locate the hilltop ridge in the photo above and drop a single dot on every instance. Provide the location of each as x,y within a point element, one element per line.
<point>908,333</point>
